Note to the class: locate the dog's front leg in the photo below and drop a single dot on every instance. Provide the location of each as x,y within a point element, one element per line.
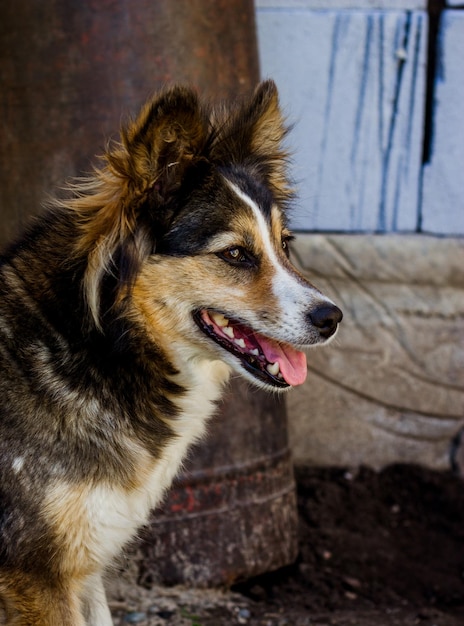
<point>94,603</point>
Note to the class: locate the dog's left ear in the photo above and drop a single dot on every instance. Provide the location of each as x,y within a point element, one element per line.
<point>266,123</point>
<point>254,136</point>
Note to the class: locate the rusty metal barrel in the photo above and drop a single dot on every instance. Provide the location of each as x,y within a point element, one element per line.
<point>70,71</point>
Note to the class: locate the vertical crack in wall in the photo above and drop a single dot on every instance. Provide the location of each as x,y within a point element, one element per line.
<point>382,216</point>
<point>355,189</point>
<point>435,9</point>
<point>340,25</point>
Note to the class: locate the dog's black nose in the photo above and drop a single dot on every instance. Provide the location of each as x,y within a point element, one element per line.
<point>326,318</point>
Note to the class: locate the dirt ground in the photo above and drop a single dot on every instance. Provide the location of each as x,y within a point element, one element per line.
<point>376,549</point>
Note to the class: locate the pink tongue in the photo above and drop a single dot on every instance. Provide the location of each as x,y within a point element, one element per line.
<point>292,362</point>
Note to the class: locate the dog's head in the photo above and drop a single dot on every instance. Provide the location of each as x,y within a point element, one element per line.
<point>189,219</point>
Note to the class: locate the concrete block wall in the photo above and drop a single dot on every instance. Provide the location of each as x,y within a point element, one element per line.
<point>390,387</point>
<point>352,75</point>
<point>354,82</point>
<point>443,190</point>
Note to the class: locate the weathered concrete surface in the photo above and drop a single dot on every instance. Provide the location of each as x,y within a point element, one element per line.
<point>391,386</point>
<point>443,195</point>
<point>353,83</point>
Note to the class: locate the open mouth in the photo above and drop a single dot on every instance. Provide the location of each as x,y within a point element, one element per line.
<point>276,364</point>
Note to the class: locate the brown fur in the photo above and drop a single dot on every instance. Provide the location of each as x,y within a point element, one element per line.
<point>29,602</point>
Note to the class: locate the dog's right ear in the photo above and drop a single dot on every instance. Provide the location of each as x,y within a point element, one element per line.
<point>116,205</point>
<point>160,143</point>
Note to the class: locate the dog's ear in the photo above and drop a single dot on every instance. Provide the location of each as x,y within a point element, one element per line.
<point>123,208</point>
<point>267,126</point>
<point>254,136</point>
<point>161,142</point>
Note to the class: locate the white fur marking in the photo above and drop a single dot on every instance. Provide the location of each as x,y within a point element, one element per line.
<point>284,280</point>
<point>294,295</point>
<point>18,464</point>
<point>110,515</point>
<point>96,610</point>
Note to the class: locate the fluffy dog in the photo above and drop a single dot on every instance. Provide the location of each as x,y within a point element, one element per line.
<point>123,310</point>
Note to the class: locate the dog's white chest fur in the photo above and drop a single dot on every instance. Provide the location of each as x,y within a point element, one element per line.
<point>105,517</point>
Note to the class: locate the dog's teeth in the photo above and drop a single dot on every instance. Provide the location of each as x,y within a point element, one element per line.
<point>219,319</point>
<point>273,368</point>
<point>229,331</point>
<point>240,343</point>
<point>254,352</point>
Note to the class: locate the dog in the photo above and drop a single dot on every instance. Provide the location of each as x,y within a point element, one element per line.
<point>124,308</point>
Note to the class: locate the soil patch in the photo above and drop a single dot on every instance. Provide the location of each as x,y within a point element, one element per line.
<point>376,549</point>
<point>389,542</point>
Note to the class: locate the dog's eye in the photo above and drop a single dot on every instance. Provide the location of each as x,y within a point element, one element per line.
<point>285,244</point>
<point>236,255</point>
